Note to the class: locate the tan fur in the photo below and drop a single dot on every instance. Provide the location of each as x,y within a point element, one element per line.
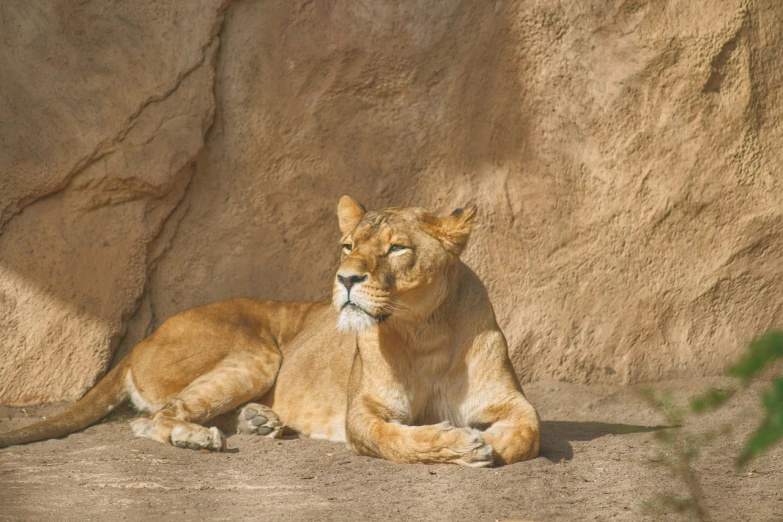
<point>418,370</point>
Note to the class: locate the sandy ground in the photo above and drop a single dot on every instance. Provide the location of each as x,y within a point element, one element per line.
<point>598,462</point>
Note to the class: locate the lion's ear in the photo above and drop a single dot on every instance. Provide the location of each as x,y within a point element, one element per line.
<point>454,229</point>
<point>349,213</point>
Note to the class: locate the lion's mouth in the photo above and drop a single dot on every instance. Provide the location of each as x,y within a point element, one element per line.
<point>377,318</point>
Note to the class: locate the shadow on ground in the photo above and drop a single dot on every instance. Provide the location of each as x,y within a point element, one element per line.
<point>557,436</point>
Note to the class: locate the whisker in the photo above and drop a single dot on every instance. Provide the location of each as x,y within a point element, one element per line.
<point>398,306</point>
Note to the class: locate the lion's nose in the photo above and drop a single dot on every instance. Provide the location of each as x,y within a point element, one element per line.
<point>349,281</point>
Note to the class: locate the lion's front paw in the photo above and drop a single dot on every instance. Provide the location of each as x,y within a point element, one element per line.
<point>197,437</point>
<point>259,420</point>
<point>471,449</point>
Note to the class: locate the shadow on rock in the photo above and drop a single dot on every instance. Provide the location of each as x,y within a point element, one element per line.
<point>557,436</point>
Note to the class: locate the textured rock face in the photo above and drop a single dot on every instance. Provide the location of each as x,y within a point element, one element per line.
<point>102,116</point>
<point>623,156</point>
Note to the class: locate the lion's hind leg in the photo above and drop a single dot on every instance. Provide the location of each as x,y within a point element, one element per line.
<point>236,380</point>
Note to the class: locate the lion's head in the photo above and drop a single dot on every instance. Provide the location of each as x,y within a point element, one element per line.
<point>395,263</point>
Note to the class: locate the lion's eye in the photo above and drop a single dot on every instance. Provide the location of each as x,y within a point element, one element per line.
<point>347,248</point>
<point>396,248</point>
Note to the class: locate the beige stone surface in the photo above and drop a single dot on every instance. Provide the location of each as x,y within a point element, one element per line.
<point>624,157</point>
<point>102,115</point>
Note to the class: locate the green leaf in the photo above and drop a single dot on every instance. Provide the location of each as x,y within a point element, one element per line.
<point>771,429</point>
<point>664,436</point>
<point>761,352</point>
<point>710,400</point>
<point>678,504</point>
<point>691,451</point>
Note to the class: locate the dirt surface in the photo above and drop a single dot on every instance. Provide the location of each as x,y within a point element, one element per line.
<point>599,461</point>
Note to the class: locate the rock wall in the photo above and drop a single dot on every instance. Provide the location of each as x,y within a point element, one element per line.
<point>156,156</point>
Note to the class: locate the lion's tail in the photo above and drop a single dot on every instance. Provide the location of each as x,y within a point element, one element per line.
<point>109,393</point>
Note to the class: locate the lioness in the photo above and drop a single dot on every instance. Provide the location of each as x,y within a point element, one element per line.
<point>408,363</point>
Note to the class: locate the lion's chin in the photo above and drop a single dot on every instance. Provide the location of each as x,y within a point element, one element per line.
<point>352,319</point>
